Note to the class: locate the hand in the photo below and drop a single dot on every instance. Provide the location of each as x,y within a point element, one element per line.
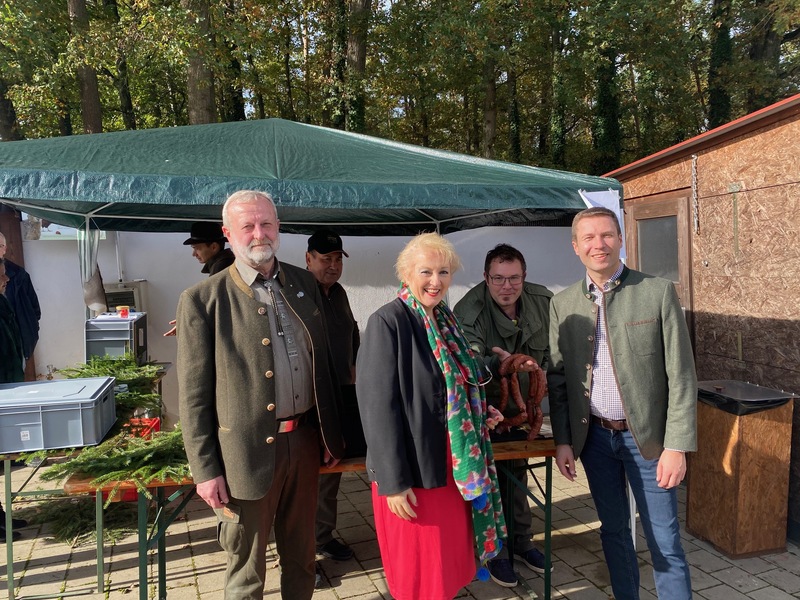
<point>671,469</point>
<point>328,460</point>
<point>172,331</point>
<point>493,417</point>
<point>565,461</point>
<point>214,492</point>
<point>400,504</point>
<point>527,366</point>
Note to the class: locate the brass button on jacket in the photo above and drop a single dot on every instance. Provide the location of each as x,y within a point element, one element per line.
<point>270,407</point>
<point>265,342</point>
<point>270,440</point>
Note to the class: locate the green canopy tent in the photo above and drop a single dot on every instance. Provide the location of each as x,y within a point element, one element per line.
<point>157,179</point>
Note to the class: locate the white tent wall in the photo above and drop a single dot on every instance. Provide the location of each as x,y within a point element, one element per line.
<point>169,268</point>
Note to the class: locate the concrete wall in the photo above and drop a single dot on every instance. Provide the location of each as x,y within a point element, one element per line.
<point>169,268</point>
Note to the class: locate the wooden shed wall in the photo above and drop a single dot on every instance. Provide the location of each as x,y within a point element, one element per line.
<point>745,260</point>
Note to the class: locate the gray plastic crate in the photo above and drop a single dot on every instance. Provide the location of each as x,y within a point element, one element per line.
<point>45,415</point>
<point>109,335</point>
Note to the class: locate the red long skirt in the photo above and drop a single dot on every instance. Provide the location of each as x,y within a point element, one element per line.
<point>431,557</point>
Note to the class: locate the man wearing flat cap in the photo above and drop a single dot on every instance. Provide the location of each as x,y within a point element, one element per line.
<point>324,259</point>
<point>208,247</point>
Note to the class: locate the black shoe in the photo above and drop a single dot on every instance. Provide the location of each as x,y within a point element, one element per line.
<point>502,573</point>
<point>15,535</point>
<point>534,560</point>
<point>335,550</point>
<point>318,576</point>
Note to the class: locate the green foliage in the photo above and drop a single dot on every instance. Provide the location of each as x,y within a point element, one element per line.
<point>140,379</point>
<point>430,65</point>
<point>72,520</point>
<point>126,457</point>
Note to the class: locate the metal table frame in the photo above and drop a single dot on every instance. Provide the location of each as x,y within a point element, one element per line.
<point>9,495</point>
<point>166,514</point>
<point>168,508</point>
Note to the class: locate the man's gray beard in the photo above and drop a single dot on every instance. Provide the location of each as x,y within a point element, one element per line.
<point>257,257</point>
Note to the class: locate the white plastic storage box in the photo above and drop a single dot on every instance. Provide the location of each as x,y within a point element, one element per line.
<point>62,413</point>
<point>110,335</point>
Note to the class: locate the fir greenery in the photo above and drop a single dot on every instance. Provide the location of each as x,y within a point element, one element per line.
<point>126,457</point>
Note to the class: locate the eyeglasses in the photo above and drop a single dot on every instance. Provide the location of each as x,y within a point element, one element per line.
<point>499,280</point>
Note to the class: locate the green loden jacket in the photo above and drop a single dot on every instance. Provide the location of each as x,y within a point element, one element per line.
<point>652,356</point>
<point>226,378</point>
<point>485,326</point>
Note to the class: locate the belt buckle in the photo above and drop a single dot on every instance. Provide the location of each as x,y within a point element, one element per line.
<point>290,424</point>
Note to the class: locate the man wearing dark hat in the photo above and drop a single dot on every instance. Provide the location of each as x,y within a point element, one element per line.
<point>324,259</point>
<point>208,247</point>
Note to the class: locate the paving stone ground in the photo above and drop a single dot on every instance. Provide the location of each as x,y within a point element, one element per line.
<point>196,564</point>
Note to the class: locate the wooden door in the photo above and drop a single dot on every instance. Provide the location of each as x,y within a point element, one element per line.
<point>658,238</point>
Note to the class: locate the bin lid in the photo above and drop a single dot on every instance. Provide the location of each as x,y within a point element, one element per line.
<point>112,316</point>
<point>742,391</point>
<point>53,391</point>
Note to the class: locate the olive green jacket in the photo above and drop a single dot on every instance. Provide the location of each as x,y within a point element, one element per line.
<point>486,326</point>
<point>652,356</point>
<point>226,377</point>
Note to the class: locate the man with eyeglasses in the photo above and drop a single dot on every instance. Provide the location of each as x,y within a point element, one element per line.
<point>506,315</point>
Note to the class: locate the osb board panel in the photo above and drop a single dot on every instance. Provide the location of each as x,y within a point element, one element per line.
<point>753,237</point>
<point>763,158</point>
<point>767,157</point>
<point>714,366</point>
<point>675,176</point>
<point>738,486</point>
<point>756,341</point>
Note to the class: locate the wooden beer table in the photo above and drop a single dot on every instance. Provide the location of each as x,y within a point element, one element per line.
<point>166,513</point>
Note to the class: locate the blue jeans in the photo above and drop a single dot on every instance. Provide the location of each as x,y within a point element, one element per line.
<point>608,458</point>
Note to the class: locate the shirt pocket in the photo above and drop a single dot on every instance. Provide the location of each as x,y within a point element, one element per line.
<point>644,337</point>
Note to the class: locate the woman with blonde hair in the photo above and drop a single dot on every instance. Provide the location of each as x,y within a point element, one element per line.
<point>434,483</point>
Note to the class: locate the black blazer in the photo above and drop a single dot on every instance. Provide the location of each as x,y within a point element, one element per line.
<point>402,399</point>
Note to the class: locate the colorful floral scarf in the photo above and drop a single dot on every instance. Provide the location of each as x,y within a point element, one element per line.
<point>474,470</point>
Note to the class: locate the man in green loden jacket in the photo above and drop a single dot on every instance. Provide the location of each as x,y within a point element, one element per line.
<point>623,398</point>
<point>258,401</point>
<point>503,315</point>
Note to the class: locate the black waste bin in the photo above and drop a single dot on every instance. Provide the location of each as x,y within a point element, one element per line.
<point>738,484</point>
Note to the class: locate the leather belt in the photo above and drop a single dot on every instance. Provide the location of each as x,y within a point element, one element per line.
<point>292,423</point>
<point>621,425</point>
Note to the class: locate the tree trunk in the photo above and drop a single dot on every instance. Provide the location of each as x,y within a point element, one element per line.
<point>121,82</point>
<point>261,112</point>
<point>637,125</point>
<point>64,116</point>
<point>558,127</point>
<point>546,104</point>
<point>606,134</point>
<point>489,107</point>
<point>356,63</point>
<point>765,52</point>
<point>232,89</point>
<point>9,127</point>
<point>719,100</point>
<point>289,111</point>
<point>200,78</point>
<point>514,124</point>
<point>87,76</point>
<point>339,88</point>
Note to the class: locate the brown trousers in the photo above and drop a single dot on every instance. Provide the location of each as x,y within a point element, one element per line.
<point>290,504</point>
